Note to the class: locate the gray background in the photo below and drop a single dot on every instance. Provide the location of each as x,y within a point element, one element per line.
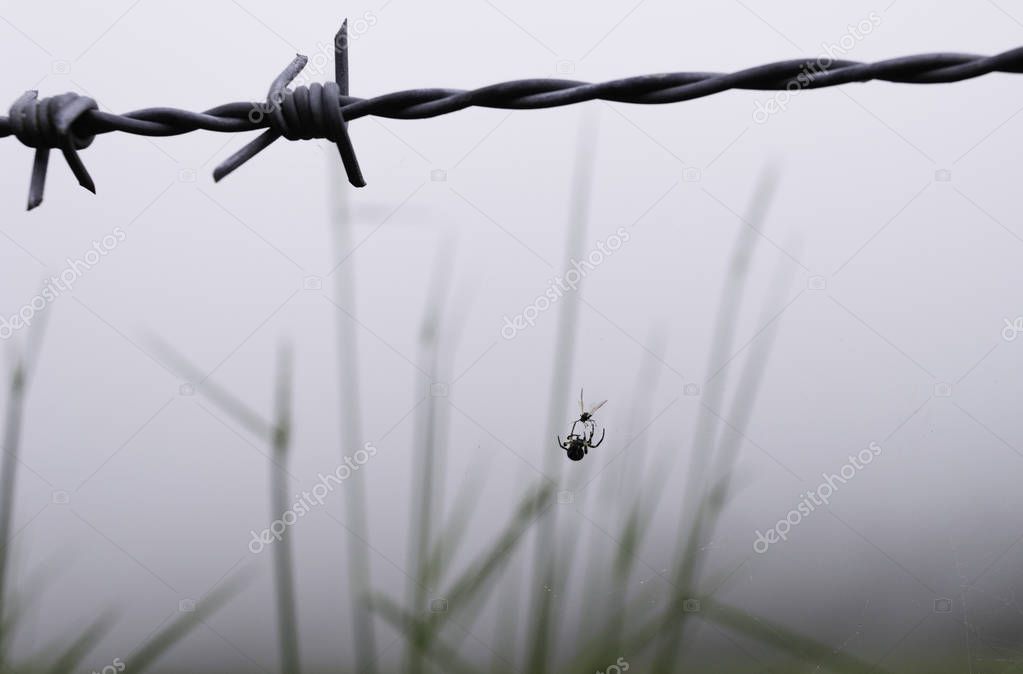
<point>919,276</point>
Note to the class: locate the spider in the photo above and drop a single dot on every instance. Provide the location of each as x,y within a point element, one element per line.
<point>579,445</point>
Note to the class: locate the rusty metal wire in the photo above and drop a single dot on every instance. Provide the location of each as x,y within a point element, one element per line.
<point>70,122</point>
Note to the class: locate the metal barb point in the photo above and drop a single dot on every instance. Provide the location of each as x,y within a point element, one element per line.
<point>344,144</point>
<point>341,58</point>
<point>303,113</point>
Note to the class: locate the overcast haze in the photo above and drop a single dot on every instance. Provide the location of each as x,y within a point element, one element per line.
<point>895,231</point>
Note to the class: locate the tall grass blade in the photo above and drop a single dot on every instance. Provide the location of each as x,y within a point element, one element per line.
<point>611,610</point>
<point>13,418</point>
<point>723,341</point>
<point>784,639</point>
<point>161,642</point>
<point>8,480</point>
<point>427,460</point>
<point>695,514</point>
<point>545,553</point>
<point>453,531</point>
<point>278,435</point>
<point>284,574</point>
<point>72,655</point>
<point>534,506</point>
<point>447,658</point>
<point>244,415</point>
<point>467,592</point>
<point>506,630</point>
<point>729,444</point>
<point>350,417</point>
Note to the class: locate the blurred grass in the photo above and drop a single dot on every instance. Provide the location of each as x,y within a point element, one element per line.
<point>350,417</point>
<point>550,562</point>
<point>648,627</point>
<point>704,505</point>
<point>67,658</point>
<point>161,642</point>
<point>14,412</point>
<point>427,462</point>
<point>277,434</point>
<point>284,571</point>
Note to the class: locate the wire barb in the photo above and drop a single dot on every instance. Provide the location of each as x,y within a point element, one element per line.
<point>304,113</point>
<point>71,122</point>
<point>46,124</point>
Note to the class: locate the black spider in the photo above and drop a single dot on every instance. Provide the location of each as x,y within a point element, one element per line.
<point>579,445</point>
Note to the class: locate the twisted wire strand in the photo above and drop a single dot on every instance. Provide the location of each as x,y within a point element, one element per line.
<point>323,111</point>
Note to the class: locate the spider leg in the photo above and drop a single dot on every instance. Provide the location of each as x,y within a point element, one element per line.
<point>590,442</point>
<point>560,443</point>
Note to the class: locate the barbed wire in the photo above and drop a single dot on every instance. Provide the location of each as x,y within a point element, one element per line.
<point>70,122</point>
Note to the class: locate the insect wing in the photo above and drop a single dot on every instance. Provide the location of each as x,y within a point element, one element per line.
<point>582,408</point>
<point>597,406</point>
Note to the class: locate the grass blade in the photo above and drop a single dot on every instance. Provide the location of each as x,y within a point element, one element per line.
<point>252,421</point>
<point>696,513</point>
<point>468,591</point>
<point>455,527</point>
<point>427,462</point>
<point>545,569</point>
<point>447,658</point>
<point>350,416</point>
<point>69,659</point>
<point>162,641</point>
<point>284,575</point>
<point>13,418</point>
<point>784,639</point>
